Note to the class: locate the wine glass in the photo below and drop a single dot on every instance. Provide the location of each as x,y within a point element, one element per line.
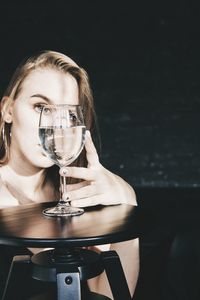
<point>62,135</point>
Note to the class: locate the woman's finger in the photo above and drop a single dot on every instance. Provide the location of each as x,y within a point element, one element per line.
<point>78,172</point>
<point>91,152</point>
<point>76,186</point>
<point>99,199</point>
<point>86,202</point>
<point>84,192</point>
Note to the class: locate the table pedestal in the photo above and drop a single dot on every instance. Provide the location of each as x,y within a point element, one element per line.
<point>68,268</point>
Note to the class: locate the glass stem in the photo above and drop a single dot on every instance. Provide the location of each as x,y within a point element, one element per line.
<point>64,196</point>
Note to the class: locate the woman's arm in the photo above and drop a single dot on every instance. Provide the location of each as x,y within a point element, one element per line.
<point>129,257</point>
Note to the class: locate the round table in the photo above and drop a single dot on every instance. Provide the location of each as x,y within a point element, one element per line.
<point>26,226</point>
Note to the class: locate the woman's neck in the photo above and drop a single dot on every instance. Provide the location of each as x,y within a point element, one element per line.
<point>28,181</point>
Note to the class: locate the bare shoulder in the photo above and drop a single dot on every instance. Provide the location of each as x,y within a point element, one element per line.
<point>6,198</point>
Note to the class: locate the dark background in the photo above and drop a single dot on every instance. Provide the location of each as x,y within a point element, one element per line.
<point>143,62</point>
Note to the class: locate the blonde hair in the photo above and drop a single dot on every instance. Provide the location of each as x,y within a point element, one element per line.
<point>43,60</point>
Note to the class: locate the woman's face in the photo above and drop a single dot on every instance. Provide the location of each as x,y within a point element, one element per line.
<point>44,86</point>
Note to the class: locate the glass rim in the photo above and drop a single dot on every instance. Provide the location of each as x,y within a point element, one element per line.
<point>61,105</point>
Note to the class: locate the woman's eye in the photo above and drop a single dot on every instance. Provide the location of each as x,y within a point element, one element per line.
<point>38,107</point>
<point>42,108</point>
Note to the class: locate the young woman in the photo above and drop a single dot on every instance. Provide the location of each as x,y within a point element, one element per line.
<point>27,175</point>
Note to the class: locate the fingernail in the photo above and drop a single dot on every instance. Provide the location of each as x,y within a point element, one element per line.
<point>63,171</point>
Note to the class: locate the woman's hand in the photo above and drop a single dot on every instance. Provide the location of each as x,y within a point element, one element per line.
<point>99,186</point>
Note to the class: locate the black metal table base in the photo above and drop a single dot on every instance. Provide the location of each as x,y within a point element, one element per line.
<point>68,268</point>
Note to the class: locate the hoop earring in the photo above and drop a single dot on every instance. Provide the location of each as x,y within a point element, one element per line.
<point>3,135</point>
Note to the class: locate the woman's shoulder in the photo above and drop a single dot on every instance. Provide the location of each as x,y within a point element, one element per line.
<point>6,198</point>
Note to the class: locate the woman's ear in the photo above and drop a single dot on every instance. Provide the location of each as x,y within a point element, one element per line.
<point>6,109</point>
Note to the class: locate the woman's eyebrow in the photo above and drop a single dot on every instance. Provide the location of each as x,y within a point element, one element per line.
<point>43,97</point>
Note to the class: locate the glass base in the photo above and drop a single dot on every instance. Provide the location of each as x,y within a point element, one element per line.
<point>63,211</point>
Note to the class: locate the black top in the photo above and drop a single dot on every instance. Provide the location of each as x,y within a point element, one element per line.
<point>26,226</point>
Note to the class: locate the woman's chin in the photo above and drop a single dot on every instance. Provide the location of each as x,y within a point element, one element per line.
<point>45,162</point>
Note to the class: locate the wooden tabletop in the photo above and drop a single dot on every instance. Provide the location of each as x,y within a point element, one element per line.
<point>25,225</point>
